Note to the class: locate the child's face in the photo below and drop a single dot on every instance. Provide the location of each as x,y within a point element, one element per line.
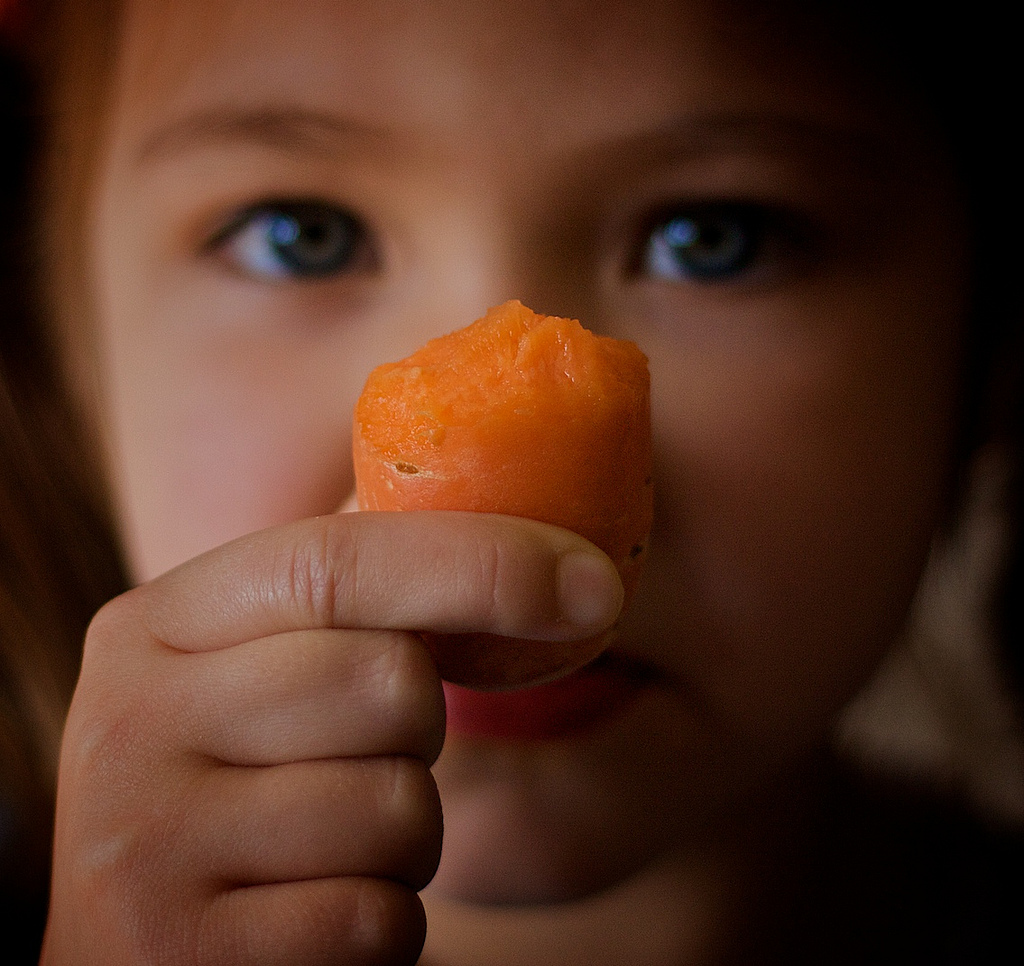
<point>449,156</point>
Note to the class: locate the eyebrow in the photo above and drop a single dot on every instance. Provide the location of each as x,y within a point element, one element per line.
<point>722,131</point>
<point>290,130</point>
<point>297,131</point>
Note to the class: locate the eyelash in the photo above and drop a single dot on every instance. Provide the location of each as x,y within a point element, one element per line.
<point>295,239</point>
<point>720,243</point>
<point>707,243</point>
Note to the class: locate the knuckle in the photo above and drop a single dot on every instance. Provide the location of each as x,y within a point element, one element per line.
<point>511,576</point>
<point>389,924</point>
<point>117,619</point>
<point>358,921</point>
<point>408,796</point>
<point>492,580</point>
<point>320,575</point>
<point>410,688</point>
<point>130,874</point>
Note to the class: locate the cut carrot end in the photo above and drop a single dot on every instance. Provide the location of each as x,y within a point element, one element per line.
<point>518,413</point>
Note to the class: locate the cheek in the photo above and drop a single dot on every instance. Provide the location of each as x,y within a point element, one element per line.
<point>200,458</point>
<point>798,496</point>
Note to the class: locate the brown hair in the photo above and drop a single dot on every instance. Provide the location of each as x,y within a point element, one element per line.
<point>59,557</point>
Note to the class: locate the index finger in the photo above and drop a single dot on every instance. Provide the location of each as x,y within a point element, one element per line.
<point>443,571</point>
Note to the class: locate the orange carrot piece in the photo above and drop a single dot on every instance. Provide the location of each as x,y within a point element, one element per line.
<point>523,414</point>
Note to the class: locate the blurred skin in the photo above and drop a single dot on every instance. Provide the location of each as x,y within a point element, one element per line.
<point>803,416</point>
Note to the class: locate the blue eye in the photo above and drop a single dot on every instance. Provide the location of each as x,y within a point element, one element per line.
<point>710,243</point>
<point>303,239</point>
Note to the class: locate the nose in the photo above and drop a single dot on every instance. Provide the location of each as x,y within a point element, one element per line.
<point>498,252</point>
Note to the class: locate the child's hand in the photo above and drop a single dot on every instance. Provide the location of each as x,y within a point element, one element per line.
<point>245,770</point>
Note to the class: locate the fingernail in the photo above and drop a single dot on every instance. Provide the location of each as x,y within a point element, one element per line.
<point>589,590</point>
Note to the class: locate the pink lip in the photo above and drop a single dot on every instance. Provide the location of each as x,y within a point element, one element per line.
<point>572,704</point>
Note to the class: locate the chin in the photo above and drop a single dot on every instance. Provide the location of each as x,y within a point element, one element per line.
<point>555,813</point>
<point>543,823</point>
<point>504,870</point>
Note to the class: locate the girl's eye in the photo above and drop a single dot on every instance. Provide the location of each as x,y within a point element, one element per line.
<point>300,239</point>
<point>707,243</point>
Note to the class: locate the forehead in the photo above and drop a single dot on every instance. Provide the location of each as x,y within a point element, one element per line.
<point>490,66</point>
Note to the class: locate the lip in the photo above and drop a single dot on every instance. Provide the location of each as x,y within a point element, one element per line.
<point>577,703</point>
